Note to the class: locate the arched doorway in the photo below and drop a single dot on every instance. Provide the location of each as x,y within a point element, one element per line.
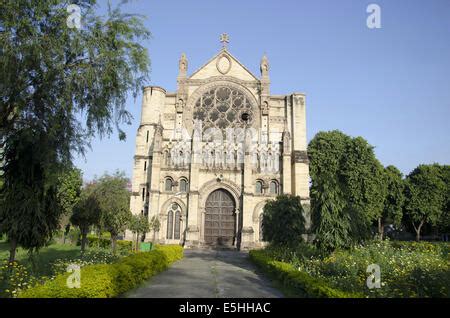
<point>220,218</point>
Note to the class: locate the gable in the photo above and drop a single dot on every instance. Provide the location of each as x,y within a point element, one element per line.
<point>221,64</point>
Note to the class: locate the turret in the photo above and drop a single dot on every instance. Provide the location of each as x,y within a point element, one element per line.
<point>152,104</point>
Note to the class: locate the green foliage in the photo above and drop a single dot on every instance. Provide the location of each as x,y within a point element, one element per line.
<point>347,189</point>
<point>69,191</point>
<point>283,220</point>
<point>91,257</point>
<point>86,213</point>
<point>408,269</point>
<point>395,196</point>
<point>298,283</point>
<point>14,277</point>
<point>114,202</point>
<point>123,246</point>
<point>444,222</point>
<point>50,75</point>
<point>109,280</point>
<point>426,196</point>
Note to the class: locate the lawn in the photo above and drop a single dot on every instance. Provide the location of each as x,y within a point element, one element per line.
<point>45,256</point>
<point>49,262</point>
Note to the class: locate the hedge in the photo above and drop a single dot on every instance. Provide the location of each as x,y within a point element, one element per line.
<point>93,241</point>
<point>109,280</point>
<point>300,283</point>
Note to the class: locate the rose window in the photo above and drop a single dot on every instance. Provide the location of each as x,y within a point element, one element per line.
<point>223,107</point>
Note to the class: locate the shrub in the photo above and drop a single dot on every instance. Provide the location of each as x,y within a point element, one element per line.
<point>300,283</point>
<point>13,278</point>
<point>283,220</point>
<point>408,269</point>
<point>109,280</point>
<point>90,257</point>
<point>123,246</point>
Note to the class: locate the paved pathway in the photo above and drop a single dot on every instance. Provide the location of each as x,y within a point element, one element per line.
<point>208,273</point>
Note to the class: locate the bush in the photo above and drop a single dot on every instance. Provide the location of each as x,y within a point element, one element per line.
<point>122,245</point>
<point>301,284</point>
<point>90,257</point>
<point>283,220</point>
<point>408,269</point>
<point>109,280</point>
<point>13,278</point>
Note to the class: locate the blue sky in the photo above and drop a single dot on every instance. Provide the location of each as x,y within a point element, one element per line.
<point>389,85</point>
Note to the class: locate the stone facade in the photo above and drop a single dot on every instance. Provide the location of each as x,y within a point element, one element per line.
<point>208,191</point>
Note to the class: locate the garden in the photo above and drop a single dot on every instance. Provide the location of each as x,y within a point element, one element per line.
<point>372,232</point>
<point>102,272</point>
<point>407,269</point>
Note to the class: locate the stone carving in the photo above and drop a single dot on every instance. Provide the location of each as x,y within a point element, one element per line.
<point>223,64</point>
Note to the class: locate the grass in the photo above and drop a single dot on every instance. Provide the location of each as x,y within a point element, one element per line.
<point>43,258</point>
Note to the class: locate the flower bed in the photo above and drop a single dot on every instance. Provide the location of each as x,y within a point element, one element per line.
<point>299,283</point>
<point>109,280</point>
<point>408,269</point>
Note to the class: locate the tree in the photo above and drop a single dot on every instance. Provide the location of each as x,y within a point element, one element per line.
<point>283,220</point>
<point>139,225</point>
<point>114,201</point>
<point>69,191</point>
<point>425,193</point>
<point>29,209</point>
<point>86,213</point>
<point>444,222</point>
<point>155,226</point>
<point>60,86</point>
<point>394,199</point>
<point>347,188</point>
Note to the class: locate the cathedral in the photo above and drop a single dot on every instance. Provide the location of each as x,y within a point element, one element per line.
<point>211,154</point>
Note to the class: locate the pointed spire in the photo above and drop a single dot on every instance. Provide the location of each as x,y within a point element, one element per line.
<point>264,67</point>
<point>182,66</point>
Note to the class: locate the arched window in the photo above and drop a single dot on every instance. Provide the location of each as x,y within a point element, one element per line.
<point>273,187</point>
<point>259,187</point>
<point>183,185</point>
<point>176,230</point>
<point>174,222</point>
<point>168,184</point>
<point>170,225</point>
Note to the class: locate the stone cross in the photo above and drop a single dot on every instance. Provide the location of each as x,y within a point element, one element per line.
<point>224,38</point>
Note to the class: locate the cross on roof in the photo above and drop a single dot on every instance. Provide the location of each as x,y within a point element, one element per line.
<point>224,38</point>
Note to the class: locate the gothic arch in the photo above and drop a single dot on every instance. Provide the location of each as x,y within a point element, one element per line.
<point>258,209</point>
<point>212,185</point>
<point>166,205</point>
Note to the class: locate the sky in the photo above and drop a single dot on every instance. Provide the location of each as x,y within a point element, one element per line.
<point>390,85</point>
